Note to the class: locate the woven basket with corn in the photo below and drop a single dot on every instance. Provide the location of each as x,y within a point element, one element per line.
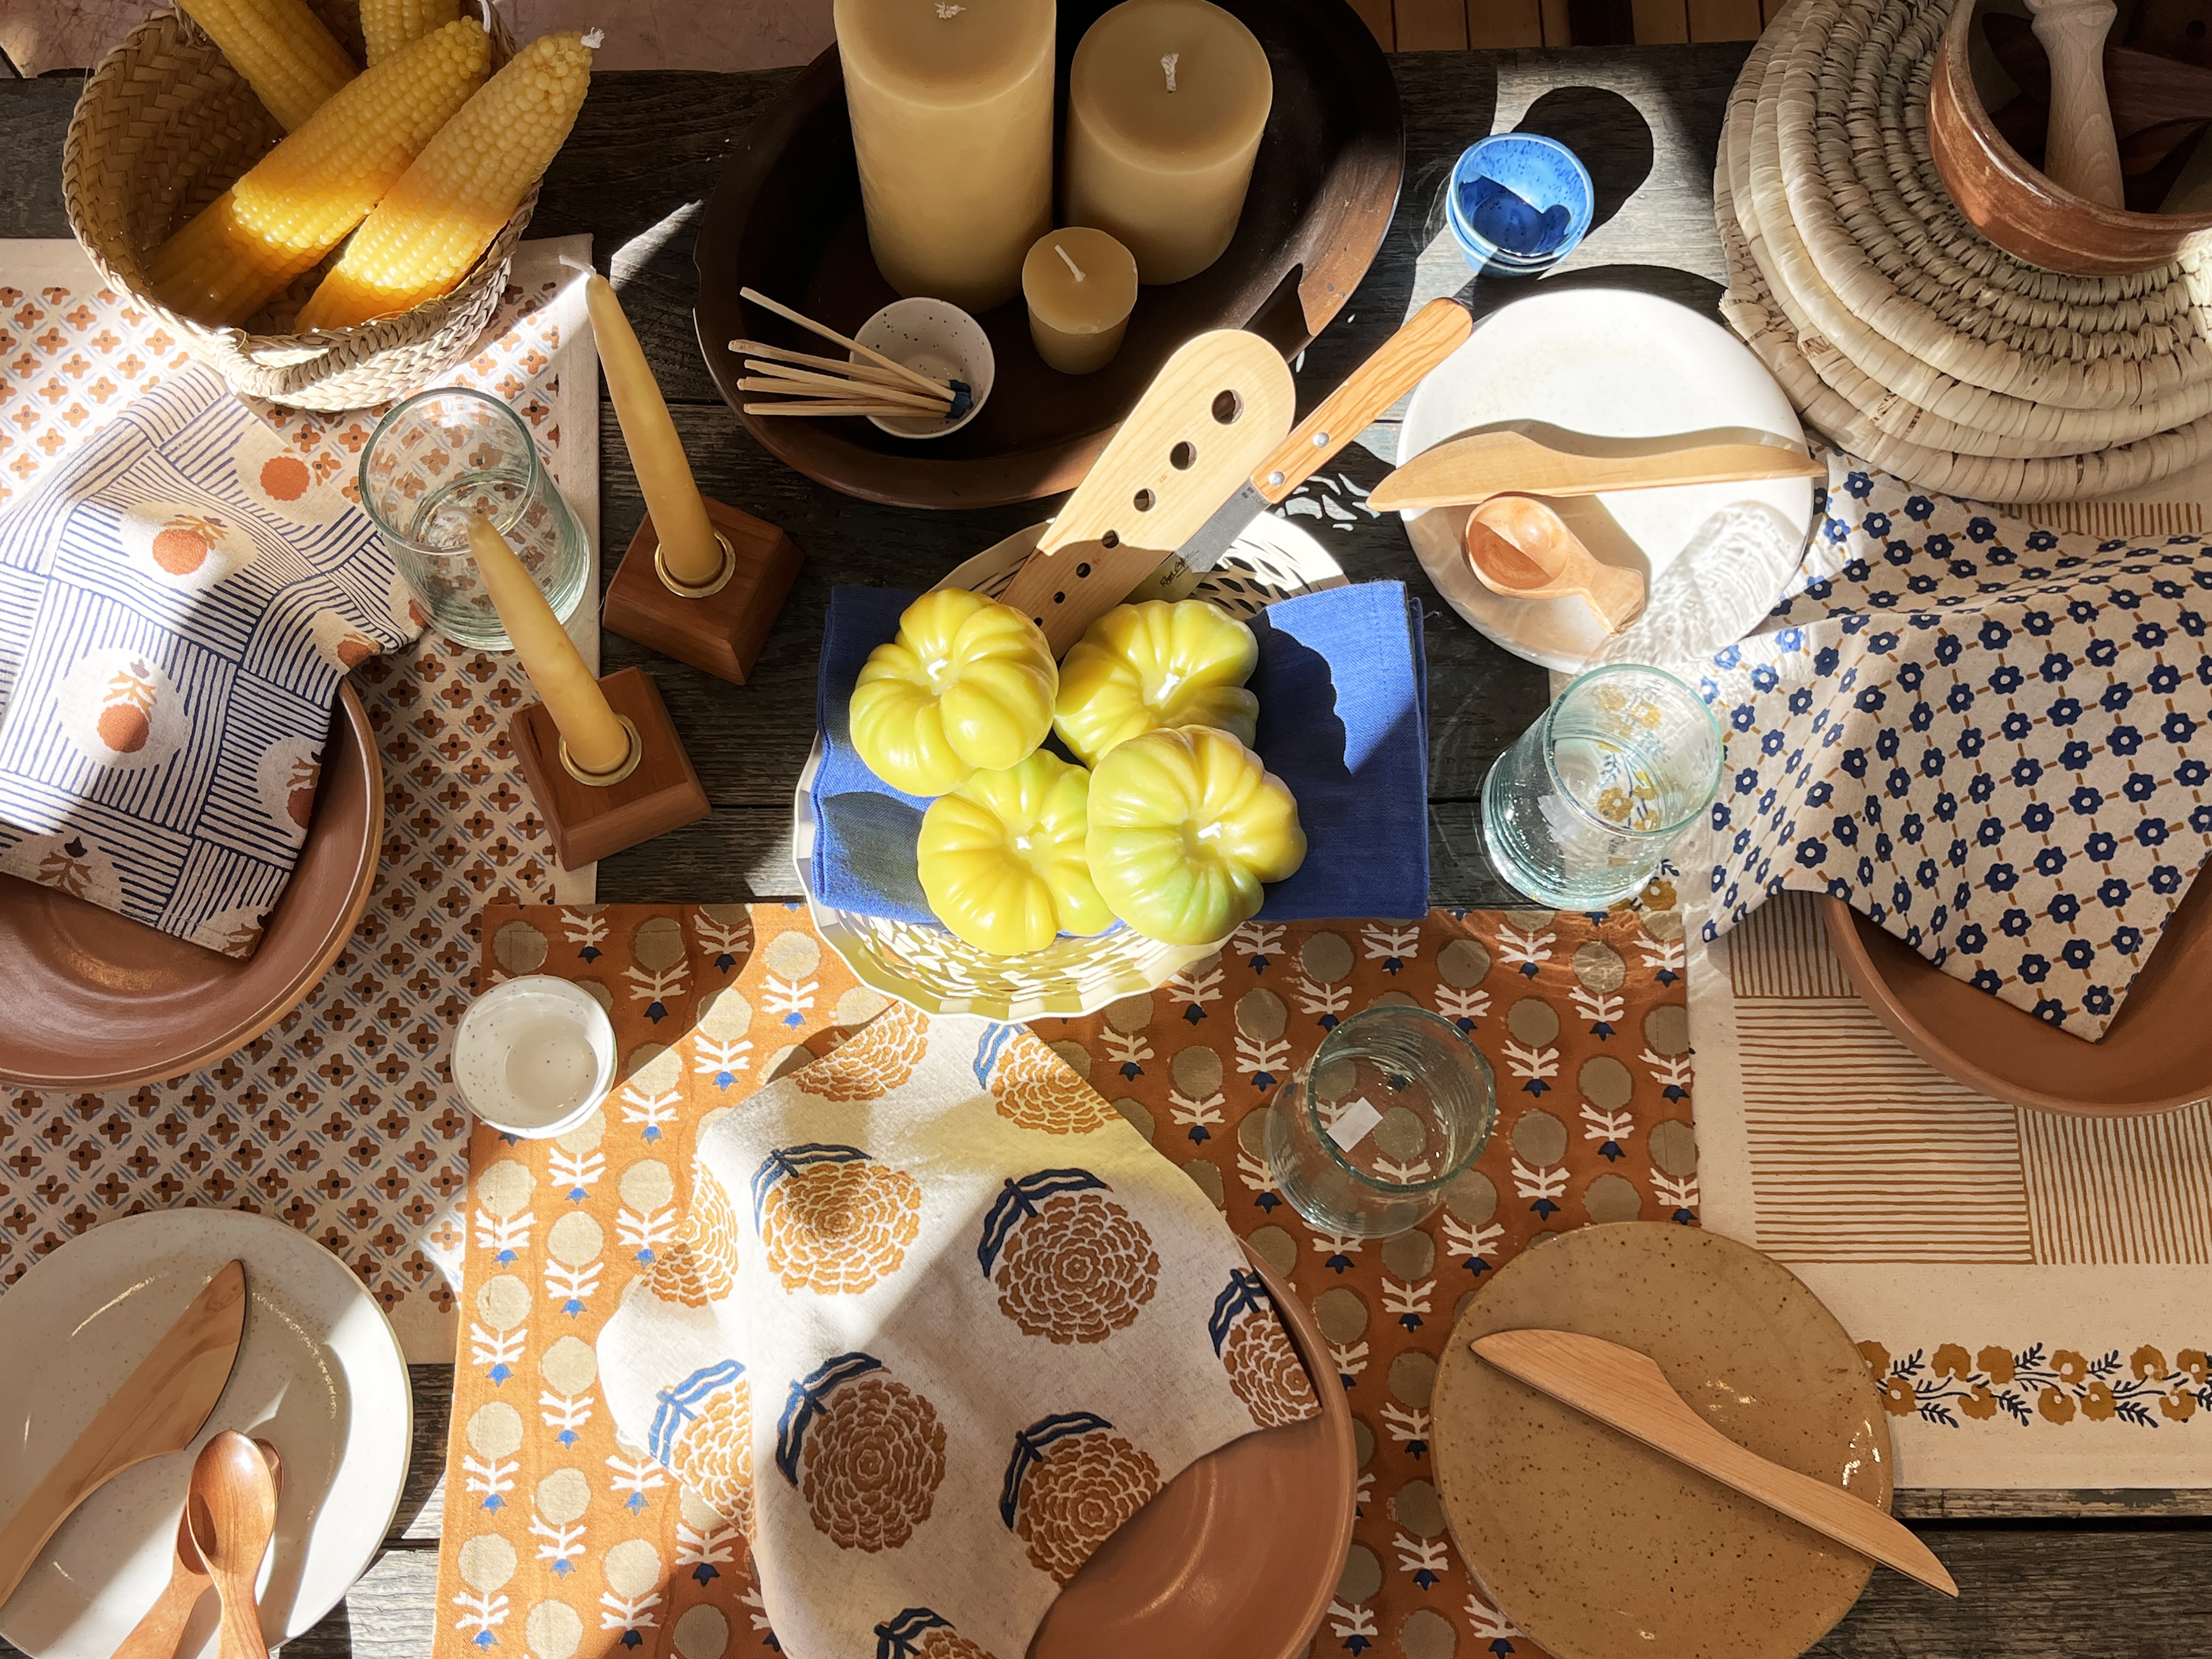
<point>326,235</point>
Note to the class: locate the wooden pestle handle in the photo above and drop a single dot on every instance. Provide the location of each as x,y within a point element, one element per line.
<point>2080,153</point>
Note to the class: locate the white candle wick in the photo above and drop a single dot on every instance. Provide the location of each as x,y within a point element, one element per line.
<point>1167,65</point>
<point>1068,259</point>
<point>944,10</point>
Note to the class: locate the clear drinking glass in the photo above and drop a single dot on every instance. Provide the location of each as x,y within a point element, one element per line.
<point>444,456</point>
<point>1395,1105</point>
<point>1581,812</point>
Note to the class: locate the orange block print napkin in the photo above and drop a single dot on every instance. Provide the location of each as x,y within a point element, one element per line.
<point>939,1320</point>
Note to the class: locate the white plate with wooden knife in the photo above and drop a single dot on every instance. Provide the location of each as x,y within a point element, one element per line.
<point>130,1324</point>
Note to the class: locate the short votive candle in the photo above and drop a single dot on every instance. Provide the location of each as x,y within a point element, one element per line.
<point>1081,285</point>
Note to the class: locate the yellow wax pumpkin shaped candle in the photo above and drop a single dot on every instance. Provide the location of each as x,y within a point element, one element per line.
<point>1002,860</point>
<point>1143,668</point>
<point>966,687</point>
<point>1186,824</point>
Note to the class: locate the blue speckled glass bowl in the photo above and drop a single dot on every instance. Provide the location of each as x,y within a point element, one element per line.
<point>1518,202</point>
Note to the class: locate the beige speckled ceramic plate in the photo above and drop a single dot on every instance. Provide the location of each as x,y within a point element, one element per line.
<point>1600,1547</point>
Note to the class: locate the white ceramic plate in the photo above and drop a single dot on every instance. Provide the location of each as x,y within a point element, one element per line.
<point>1616,365</point>
<point>318,1374</point>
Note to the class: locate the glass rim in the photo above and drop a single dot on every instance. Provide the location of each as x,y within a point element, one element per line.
<point>1395,1188</point>
<point>1552,766</point>
<point>503,525</point>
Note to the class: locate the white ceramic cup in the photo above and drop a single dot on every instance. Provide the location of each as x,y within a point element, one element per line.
<point>533,1056</point>
<point>937,338</point>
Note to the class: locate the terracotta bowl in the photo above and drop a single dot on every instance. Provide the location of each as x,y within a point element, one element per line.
<point>2014,205</point>
<point>2156,1056</point>
<point>98,1002</point>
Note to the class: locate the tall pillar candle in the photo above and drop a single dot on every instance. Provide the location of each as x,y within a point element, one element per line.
<point>1080,285</point>
<point>689,551</point>
<point>1165,104</point>
<point>570,691</point>
<point>951,112</point>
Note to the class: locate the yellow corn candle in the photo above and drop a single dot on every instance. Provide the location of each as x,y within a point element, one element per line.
<point>689,550</point>
<point>951,112</point>
<point>1080,285</point>
<point>571,694</point>
<point>1166,101</point>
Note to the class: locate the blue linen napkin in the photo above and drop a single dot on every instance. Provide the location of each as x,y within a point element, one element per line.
<point>1343,689</point>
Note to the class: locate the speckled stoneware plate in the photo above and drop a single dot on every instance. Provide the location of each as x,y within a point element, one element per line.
<point>1599,1547</point>
<point>318,1374</point>
<point>927,966</point>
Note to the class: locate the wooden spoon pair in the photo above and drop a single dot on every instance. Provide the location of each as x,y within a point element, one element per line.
<point>230,1513</point>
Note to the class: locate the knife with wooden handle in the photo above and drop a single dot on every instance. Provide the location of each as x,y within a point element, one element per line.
<point>160,1407</point>
<point>1627,1390</point>
<point>1466,472</point>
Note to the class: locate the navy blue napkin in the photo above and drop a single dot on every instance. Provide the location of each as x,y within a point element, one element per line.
<point>1343,690</point>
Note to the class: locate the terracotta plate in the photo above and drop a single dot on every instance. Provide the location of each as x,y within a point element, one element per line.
<point>786,219</point>
<point>99,1002</point>
<point>1237,1556</point>
<point>1598,1547</point>
<point>2155,1056</point>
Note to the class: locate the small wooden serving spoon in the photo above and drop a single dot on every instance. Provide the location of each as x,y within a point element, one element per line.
<point>232,1508</point>
<point>1519,547</point>
<point>156,1635</point>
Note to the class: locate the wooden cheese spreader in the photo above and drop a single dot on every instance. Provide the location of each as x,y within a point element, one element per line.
<point>1466,471</point>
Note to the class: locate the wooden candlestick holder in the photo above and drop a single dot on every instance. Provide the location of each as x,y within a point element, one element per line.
<point>721,627</point>
<point>657,792</point>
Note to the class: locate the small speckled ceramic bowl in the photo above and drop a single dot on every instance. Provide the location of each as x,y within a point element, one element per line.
<point>937,338</point>
<point>1518,202</point>
<point>533,1056</point>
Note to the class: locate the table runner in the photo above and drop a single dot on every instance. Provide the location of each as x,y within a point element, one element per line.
<point>552,1528</point>
<point>335,1120</point>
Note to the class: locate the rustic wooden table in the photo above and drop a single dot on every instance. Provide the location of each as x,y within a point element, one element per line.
<point>2046,1573</point>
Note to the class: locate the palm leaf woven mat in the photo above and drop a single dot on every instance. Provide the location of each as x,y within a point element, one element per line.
<point>560,1539</point>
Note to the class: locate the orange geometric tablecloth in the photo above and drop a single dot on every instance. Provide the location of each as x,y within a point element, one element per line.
<point>560,1540</point>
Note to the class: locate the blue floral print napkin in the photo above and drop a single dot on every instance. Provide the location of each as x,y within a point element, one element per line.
<point>1990,738</point>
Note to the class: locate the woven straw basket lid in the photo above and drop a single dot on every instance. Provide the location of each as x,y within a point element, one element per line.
<point>163,127</point>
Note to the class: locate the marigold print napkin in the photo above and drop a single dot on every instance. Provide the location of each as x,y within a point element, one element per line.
<point>939,1321</point>
<point>177,604</point>
<point>1990,738</point>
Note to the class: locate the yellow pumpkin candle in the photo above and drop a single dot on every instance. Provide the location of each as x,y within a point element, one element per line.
<point>1080,285</point>
<point>1185,826</point>
<point>597,742</point>
<point>966,687</point>
<point>1140,668</point>
<point>689,551</point>
<point>1001,858</point>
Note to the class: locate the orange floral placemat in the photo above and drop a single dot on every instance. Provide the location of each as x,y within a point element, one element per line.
<point>559,1537</point>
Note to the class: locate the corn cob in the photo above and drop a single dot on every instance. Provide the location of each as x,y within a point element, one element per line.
<point>388,25</point>
<point>439,219</point>
<point>241,251</point>
<point>289,59</point>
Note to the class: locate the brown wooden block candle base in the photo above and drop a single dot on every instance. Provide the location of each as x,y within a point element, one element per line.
<point>589,821</point>
<point>721,632</point>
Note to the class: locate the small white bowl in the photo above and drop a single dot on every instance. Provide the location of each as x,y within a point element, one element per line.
<point>532,1057</point>
<point>933,338</point>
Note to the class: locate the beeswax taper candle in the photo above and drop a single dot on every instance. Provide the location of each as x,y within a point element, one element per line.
<point>689,551</point>
<point>571,694</point>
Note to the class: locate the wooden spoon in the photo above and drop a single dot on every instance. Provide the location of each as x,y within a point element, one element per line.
<point>156,1635</point>
<point>2079,152</point>
<point>1519,547</point>
<point>232,1509</point>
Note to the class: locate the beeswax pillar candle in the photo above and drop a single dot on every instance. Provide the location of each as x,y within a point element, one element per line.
<point>689,550</point>
<point>1165,104</point>
<point>596,740</point>
<point>1080,284</point>
<point>952,109</point>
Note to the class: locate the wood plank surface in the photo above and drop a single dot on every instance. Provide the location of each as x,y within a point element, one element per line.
<point>1430,25</point>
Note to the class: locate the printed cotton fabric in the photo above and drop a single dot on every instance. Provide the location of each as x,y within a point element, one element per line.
<point>939,1321</point>
<point>1988,738</point>
<point>177,604</point>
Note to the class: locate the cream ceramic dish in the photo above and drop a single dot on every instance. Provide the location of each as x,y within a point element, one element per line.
<point>318,1374</point>
<point>1608,371</point>
<point>938,339</point>
<point>1599,1547</point>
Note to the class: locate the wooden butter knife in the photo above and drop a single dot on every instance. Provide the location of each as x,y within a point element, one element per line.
<point>160,1408</point>
<point>1471,469</point>
<point>1627,1390</point>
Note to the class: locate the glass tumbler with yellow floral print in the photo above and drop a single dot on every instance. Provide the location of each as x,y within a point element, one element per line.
<point>1583,810</point>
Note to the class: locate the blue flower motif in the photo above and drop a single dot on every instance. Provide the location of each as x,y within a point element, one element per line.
<point>2036,817</point>
<point>2063,908</point>
<point>2001,878</point>
<point>2016,727</point>
<point>1858,485</point>
<point>1875,523</point>
<point>2178,727</point>
<point>2127,941</point>
<point>2164,881</point>
<point>2034,969</point>
<point>1971,939</point>
<point>2065,711</point>
<point>2124,741</point>
<point>2191,774</point>
<point>1990,833</point>
<point>2077,954</point>
<point>1987,979</point>
<point>2014,923</point>
<point>2050,861</point>
<point>2100,847</point>
<point>1810,853</point>
<point>2113,892</point>
<point>1919,509</point>
<point>2098,1000</point>
<point>2026,772</point>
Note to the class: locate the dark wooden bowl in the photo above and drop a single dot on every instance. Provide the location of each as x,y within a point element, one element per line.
<point>2014,205</point>
<point>786,219</point>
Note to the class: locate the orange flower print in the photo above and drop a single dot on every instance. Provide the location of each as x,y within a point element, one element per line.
<point>1951,1360</point>
<point>183,543</point>
<point>1978,1403</point>
<point>2055,1405</point>
<point>65,868</point>
<point>1034,1088</point>
<point>702,1433</point>
<point>1265,1371</point>
<point>1072,1481</point>
<point>2069,1366</point>
<point>866,1452</point>
<point>1995,1363</point>
<point>126,709</point>
<point>1897,1397</point>
<point>300,790</point>
<point>2193,1361</point>
<point>2177,1407</point>
<point>878,1058</point>
<point>831,1219</point>
<point>701,1264</point>
<point>285,477</point>
<point>1070,1264</point>
<point>1876,1357</point>
<point>919,1634</point>
<point>2145,1363</point>
<point>2097,1403</point>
